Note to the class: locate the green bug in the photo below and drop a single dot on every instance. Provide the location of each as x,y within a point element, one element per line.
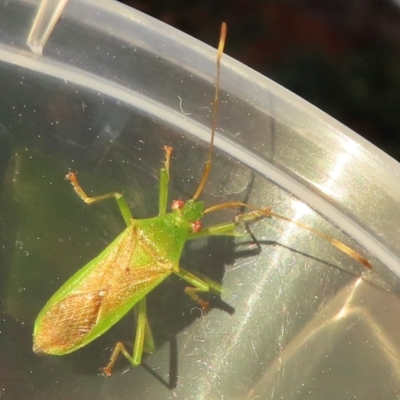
<point>137,261</point>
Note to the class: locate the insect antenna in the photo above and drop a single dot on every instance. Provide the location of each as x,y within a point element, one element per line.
<point>207,166</point>
<point>263,212</point>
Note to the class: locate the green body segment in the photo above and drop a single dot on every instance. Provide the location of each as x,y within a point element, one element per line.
<point>106,288</point>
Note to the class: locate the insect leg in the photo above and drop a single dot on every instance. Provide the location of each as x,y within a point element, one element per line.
<point>141,330</point>
<point>164,179</point>
<point>121,202</point>
<point>148,345</point>
<point>224,229</point>
<point>200,285</point>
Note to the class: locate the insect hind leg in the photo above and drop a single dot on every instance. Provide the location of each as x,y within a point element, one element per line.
<point>143,341</point>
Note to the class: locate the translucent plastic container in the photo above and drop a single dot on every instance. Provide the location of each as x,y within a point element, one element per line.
<point>101,90</point>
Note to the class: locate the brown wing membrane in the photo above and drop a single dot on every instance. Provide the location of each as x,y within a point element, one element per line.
<point>120,276</point>
<point>67,323</point>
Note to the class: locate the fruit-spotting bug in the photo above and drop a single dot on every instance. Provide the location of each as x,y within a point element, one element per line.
<point>137,261</point>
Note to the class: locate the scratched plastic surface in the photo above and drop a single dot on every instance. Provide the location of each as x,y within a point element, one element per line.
<point>111,87</point>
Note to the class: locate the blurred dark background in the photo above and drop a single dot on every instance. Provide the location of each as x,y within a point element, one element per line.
<point>341,55</point>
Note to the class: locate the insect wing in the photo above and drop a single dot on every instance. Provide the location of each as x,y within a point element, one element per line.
<point>97,296</point>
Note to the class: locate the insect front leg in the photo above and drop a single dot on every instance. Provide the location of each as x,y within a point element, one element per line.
<point>229,228</point>
<point>121,202</point>
<point>143,341</point>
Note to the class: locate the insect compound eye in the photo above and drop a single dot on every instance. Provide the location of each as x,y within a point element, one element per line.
<point>177,204</point>
<point>196,226</point>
